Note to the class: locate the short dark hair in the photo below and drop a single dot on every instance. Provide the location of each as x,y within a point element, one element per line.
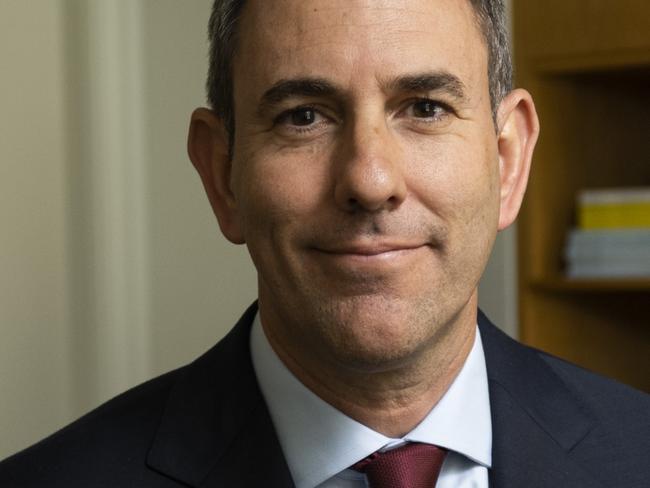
<point>222,34</point>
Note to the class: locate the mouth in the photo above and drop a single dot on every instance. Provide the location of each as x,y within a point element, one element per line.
<point>373,254</point>
<point>370,249</point>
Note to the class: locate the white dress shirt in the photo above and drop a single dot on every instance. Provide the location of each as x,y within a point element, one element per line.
<point>320,443</point>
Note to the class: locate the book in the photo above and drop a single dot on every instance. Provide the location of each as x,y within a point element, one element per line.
<point>608,269</point>
<point>609,208</point>
<point>608,253</point>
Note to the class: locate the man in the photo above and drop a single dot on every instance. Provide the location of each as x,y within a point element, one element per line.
<point>366,153</point>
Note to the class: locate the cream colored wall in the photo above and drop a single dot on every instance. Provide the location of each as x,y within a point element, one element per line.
<point>497,294</point>
<point>35,387</point>
<point>159,285</point>
<point>112,267</point>
<point>200,283</point>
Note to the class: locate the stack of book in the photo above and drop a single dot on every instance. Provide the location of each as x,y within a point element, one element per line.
<point>613,235</point>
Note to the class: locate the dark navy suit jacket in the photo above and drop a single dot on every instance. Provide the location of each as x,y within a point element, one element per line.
<point>206,425</point>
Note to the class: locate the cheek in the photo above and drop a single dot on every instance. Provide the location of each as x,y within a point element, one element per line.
<point>279,189</point>
<point>455,178</point>
<point>458,183</point>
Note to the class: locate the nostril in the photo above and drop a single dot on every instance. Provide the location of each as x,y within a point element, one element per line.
<point>392,202</point>
<point>353,204</point>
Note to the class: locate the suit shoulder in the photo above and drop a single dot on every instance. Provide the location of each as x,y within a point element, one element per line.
<point>621,413</point>
<point>108,439</point>
<point>604,393</point>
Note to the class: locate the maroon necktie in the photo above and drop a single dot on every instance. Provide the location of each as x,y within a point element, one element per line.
<point>413,465</point>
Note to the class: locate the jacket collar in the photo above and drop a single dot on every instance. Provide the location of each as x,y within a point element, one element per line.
<point>216,430</point>
<point>536,419</point>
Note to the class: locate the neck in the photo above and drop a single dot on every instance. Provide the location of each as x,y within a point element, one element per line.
<point>394,399</point>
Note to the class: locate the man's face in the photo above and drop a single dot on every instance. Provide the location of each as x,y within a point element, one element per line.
<point>365,172</point>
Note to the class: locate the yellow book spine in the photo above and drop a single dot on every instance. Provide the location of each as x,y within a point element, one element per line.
<point>610,216</point>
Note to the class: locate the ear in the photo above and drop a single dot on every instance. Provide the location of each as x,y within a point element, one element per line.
<point>518,130</point>
<point>207,146</point>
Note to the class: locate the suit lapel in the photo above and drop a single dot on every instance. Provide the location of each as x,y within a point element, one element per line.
<point>536,420</point>
<point>216,430</point>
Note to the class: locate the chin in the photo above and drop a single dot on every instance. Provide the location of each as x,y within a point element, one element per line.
<point>375,334</point>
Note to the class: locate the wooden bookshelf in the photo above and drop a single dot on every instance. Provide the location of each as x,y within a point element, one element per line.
<point>576,285</point>
<point>587,64</point>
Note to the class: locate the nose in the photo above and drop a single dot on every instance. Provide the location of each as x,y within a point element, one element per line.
<point>369,174</point>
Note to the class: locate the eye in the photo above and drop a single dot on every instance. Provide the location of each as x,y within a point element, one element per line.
<point>303,116</point>
<point>302,121</point>
<point>427,109</point>
<point>300,117</point>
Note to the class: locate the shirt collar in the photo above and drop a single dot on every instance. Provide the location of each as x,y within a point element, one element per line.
<point>319,441</point>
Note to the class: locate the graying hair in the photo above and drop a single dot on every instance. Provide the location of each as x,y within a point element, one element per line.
<point>492,20</point>
<point>222,34</point>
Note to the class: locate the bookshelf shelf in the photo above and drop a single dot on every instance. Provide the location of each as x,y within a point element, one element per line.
<point>587,65</point>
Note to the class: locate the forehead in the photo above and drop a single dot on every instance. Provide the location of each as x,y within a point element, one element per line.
<point>349,39</point>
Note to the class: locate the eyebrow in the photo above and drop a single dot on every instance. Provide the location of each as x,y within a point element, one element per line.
<point>431,81</point>
<point>306,87</point>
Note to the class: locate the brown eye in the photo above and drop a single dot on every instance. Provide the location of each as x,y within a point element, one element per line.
<point>303,116</point>
<point>427,109</point>
<point>301,121</point>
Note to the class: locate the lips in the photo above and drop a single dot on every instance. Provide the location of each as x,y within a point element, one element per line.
<point>373,249</point>
<point>369,251</point>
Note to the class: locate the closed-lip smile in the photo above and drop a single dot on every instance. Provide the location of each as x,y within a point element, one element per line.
<point>370,249</point>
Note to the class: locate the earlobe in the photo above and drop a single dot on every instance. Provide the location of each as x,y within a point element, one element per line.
<point>518,131</point>
<point>207,147</point>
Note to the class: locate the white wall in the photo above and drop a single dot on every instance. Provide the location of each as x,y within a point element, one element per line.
<point>112,267</point>
<point>199,282</point>
<point>35,343</point>
<point>498,287</point>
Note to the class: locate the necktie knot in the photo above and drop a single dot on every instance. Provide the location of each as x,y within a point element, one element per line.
<point>413,465</point>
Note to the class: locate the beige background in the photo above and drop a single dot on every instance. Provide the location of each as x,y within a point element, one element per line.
<point>112,268</point>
